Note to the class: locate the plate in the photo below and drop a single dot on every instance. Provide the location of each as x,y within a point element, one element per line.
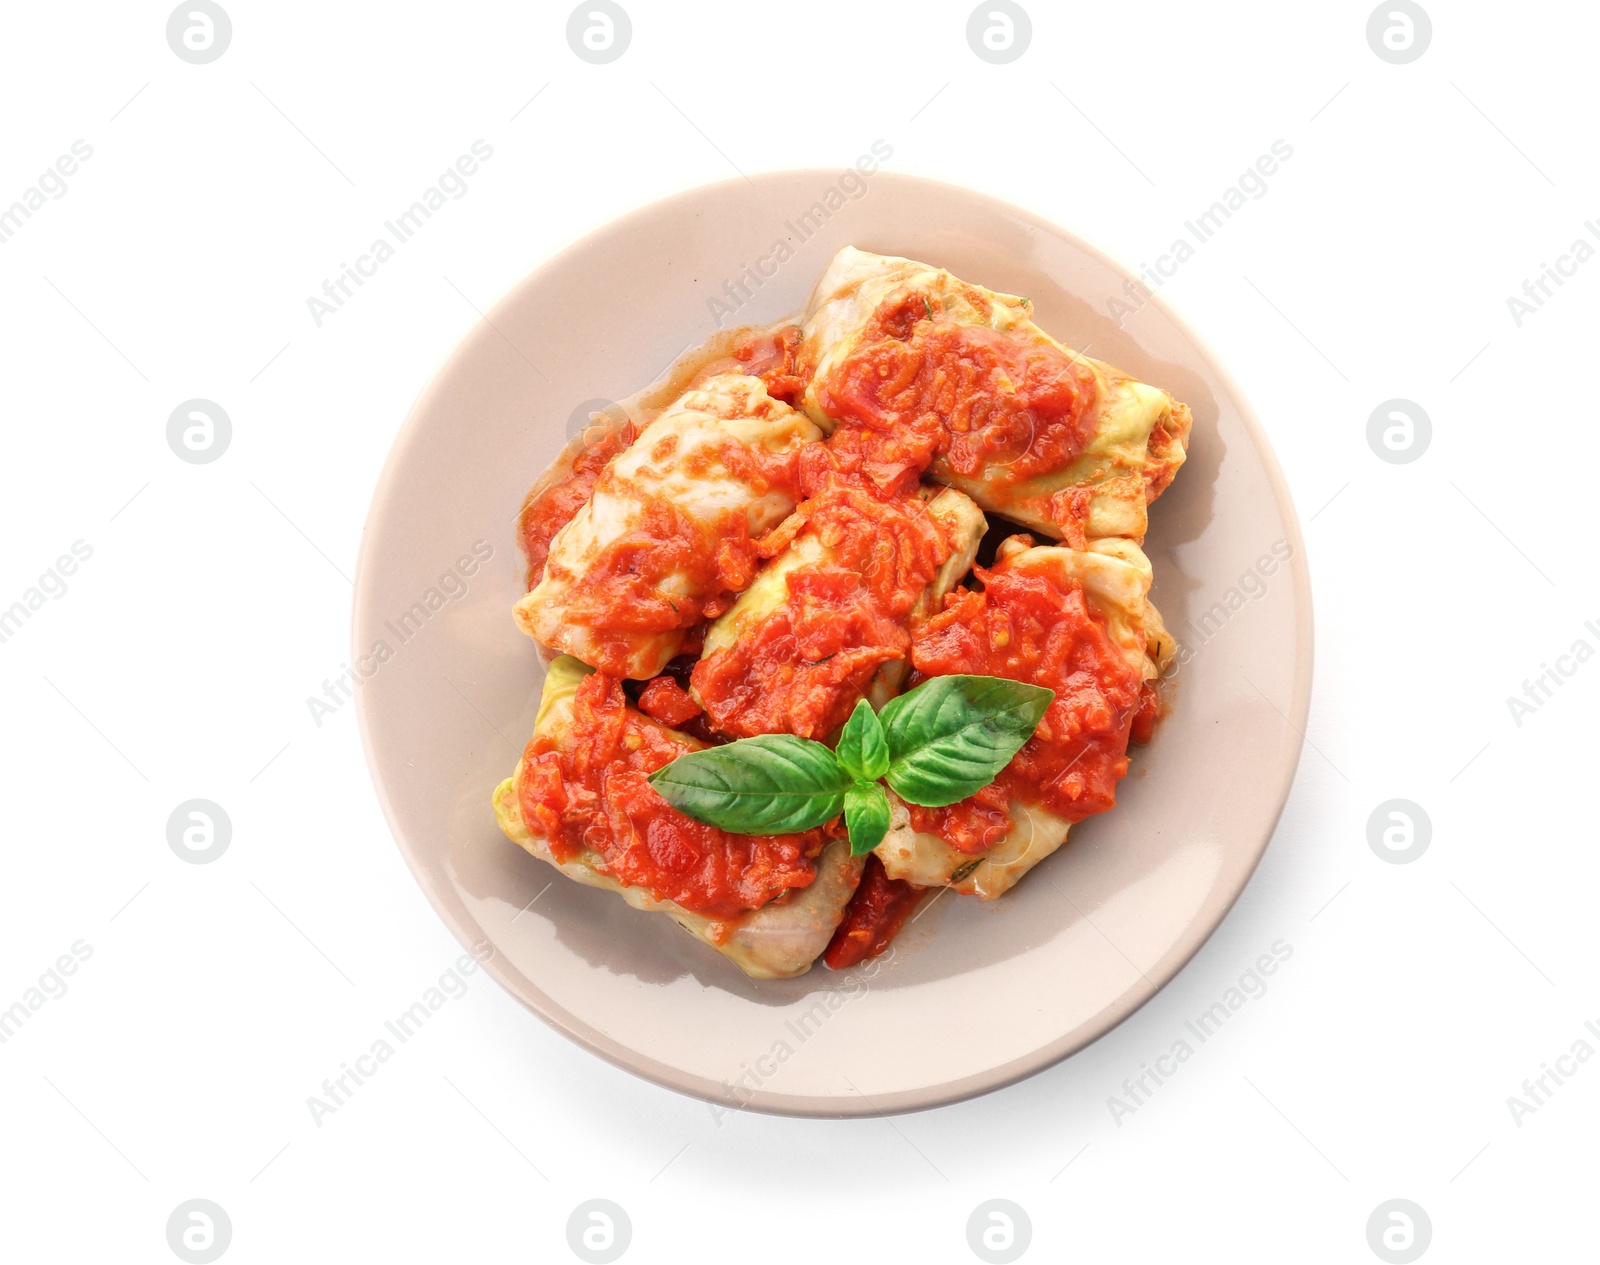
<point>449,686</point>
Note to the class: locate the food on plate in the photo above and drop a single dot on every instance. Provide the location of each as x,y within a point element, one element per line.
<point>799,678</point>
<point>827,622</point>
<point>1080,623</point>
<point>667,537</point>
<point>957,380</point>
<point>580,800</point>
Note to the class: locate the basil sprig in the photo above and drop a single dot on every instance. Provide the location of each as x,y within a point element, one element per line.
<point>941,742</point>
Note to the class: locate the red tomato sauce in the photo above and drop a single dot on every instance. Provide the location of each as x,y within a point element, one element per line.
<point>552,509</point>
<point>665,700</point>
<point>1033,627</point>
<point>875,914</point>
<point>969,396</point>
<point>587,788</point>
<point>974,825</point>
<point>1148,715</point>
<point>802,668</point>
<point>771,356</point>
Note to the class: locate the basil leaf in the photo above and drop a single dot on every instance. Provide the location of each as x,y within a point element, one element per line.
<point>772,785</point>
<point>951,736</point>
<point>866,816</point>
<point>863,751</point>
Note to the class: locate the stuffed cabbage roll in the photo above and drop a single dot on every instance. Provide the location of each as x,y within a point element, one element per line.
<point>828,621</point>
<point>984,399</point>
<point>579,800</point>
<point>1079,622</point>
<point>668,536</point>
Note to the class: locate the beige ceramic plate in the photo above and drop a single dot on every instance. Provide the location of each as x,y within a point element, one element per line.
<point>1086,938</point>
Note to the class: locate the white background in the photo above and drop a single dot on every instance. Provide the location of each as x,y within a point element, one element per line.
<point>178,662</point>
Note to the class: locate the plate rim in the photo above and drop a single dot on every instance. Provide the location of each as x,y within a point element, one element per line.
<point>459,920</point>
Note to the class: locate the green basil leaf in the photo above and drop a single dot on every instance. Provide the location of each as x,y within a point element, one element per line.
<point>951,736</point>
<point>772,785</point>
<point>866,816</point>
<point>863,751</point>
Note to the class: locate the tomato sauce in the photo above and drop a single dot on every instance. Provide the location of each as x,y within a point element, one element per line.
<point>971,397</point>
<point>553,508</point>
<point>771,356</point>
<point>665,700</point>
<point>588,788</point>
<point>875,914</point>
<point>1148,715</point>
<point>802,668</point>
<point>972,826</point>
<point>1034,627</point>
